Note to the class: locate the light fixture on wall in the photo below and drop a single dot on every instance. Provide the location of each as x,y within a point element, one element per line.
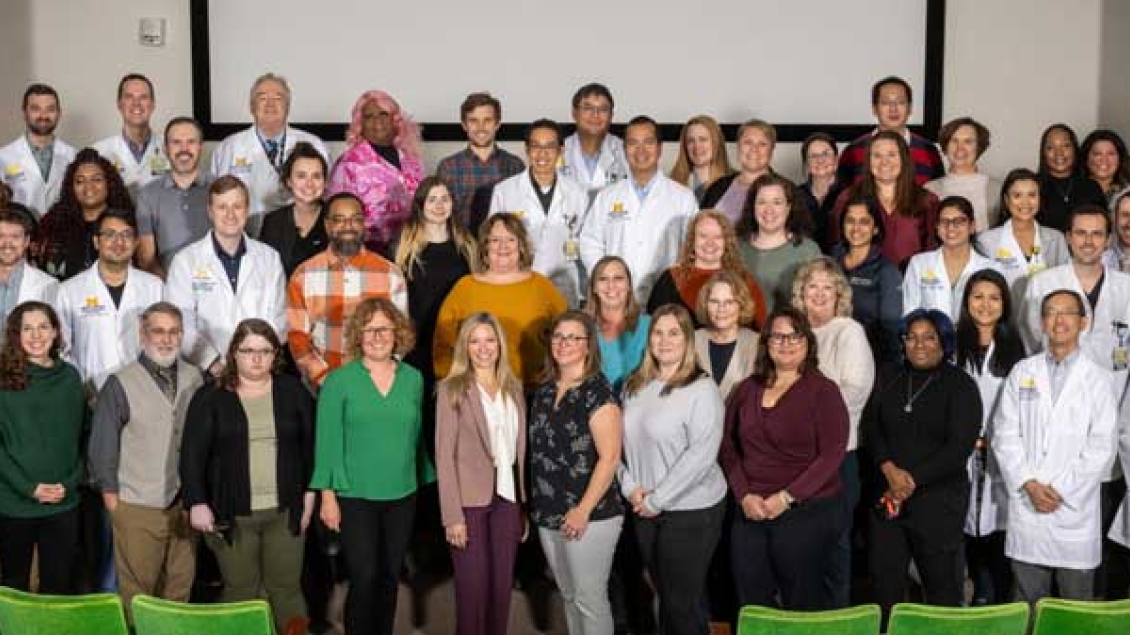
<point>151,32</point>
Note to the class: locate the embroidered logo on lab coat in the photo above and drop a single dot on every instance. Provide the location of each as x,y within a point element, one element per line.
<point>91,307</point>
<point>13,172</point>
<point>1005,257</point>
<point>241,165</point>
<point>1028,389</point>
<point>929,278</point>
<point>617,210</point>
<point>202,281</point>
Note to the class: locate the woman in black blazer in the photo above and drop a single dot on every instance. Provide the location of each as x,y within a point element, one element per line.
<point>247,453</point>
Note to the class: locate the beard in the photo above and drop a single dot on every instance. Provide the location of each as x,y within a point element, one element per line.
<point>42,127</point>
<point>164,361</point>
<point>347,247</point>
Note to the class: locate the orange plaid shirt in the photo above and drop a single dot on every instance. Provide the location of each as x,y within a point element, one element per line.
<point>321,296</point>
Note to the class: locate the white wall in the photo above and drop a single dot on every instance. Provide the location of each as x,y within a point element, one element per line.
<point>1016,65</point>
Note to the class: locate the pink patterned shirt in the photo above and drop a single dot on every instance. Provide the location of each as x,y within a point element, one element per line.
<point>386,191</point>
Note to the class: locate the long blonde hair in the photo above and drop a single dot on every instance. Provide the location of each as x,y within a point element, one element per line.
<point>462,375</point>
<point>414,236</point>
<point>689,369</point>
<point>719,162</point>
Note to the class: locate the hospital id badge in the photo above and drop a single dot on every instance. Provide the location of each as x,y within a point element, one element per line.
<point>572,249</point>
<point>1120,357</point>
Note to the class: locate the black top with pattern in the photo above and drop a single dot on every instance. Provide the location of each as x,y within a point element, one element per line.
<point>563,452</point>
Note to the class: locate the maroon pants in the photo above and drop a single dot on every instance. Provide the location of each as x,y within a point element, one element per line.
<point>484,569</point>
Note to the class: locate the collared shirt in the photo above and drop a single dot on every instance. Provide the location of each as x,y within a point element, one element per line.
<point>164,376</point>
<point>1058,371</point>
<point>43,157</point>
<point>321,297</point>
<point>274,147</point>
<point>138,150</point>
<point>643,191</point>
<point>175,217</point>
<point>464,172</point>
<point>230,262</point>
<point>10,292</point>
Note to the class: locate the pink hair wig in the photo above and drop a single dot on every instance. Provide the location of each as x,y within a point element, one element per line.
<point>407,131</point>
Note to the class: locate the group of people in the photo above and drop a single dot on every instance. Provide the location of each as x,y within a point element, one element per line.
<point>717,376</point>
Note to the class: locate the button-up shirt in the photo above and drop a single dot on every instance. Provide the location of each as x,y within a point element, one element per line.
<point>1059,370</point>
<point>174,216</point>
<point>464,172</point>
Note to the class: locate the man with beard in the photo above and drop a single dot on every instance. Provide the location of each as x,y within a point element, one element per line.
<point>134,456</point>
<point>482,163</point>
<point>35,163</point>
<point>172,209</point>
<point>136,152</point>
<point>19,281</point>
<point>325,289</point>
<point>98,308</point>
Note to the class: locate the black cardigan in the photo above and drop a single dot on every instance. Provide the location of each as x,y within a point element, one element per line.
<point>280,232</point>
<point>215,455</point>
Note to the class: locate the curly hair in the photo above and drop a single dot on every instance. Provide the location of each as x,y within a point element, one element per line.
<point>13,357</point>
<point>407,131</point>
<point>117,194</point>
<point>731,257</point>
<point>405,335</point>
<point>825,265</point>
<point>229,378</point>
<point>747,308</point>
<point>798,223</point>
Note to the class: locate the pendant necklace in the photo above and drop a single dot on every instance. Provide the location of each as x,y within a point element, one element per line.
<point>910,398</point>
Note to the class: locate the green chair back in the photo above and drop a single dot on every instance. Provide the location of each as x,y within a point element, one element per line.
<point>29,614</point>
<point>857,620</point>
<point>1075,617</point>
<point>920,619</point>
<point>154,616</point>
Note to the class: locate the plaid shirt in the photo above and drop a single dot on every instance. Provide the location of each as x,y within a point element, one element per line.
<point>464,172</point>
<point>321,297</point>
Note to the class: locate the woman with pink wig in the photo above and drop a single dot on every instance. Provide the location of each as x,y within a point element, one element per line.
<point>382,165</point>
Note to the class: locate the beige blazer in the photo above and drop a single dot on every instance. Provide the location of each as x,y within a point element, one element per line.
<point>741,364</point>
<point>464,464</point>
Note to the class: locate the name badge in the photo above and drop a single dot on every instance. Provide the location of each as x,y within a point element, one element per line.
<point>241,165</point>
<point>617,212</point>
<point>202,281</point>
<point>158,165</point>
<point>572,249</point>
<point>1028,390</point>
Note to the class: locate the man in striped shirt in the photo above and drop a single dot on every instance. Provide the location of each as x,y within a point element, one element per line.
<point>325,289</point>
<point>891,100</point>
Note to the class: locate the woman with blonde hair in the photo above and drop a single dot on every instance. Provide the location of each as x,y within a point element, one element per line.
<point>382,165</point>
<point>726,345</point>
<point>369,460</point>
<point>702,155</point>
<point>480,459</point>
<point>756,141</point>
<point>670,475</point>
<point>822,294</point>
<point>710,246</point>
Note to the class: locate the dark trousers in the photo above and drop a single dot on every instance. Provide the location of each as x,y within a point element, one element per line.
<point>787,555</point>
<point>676,547</point>
<point>989,569</point>
<point>892,544</point>
<point>484,568</point>
<point>1112,578</point>
<point>374,538</point>
<point>55,537</point>
<point>837,568</point>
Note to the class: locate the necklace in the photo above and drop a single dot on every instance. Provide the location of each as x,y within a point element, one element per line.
<point>910,398</point>
<point>1064,192</point>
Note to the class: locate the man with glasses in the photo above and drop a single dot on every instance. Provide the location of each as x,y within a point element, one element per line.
<point>98,308</point>
<point>1054,439</point>
<point>551,208</point>
<point>891,100</point>
<point>324,290</point>
<point>225,278</point>
<point>593,157</point>
<point>19,280</point>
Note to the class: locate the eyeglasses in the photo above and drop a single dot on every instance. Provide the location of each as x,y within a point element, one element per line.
<point>346,220</point>
<point>1051,314</point>
<point>911,339</point>
<point>957,221</point>
<point>783,339</point>
<point>567,338</point>
<point>378,331</point>
<point>158,332</point>
<point>534,149</point>
<point>590,109</point>
<point>256,352</point>
<point>109,235</point>
<point>820,156</point>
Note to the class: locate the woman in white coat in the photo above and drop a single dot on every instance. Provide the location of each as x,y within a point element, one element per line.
<point>1020,246</point>
<point>988,346</point>
<point>936,279</point>
<point>552,209</point>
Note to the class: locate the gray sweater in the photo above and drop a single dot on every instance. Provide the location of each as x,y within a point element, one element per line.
<point>671,446</point>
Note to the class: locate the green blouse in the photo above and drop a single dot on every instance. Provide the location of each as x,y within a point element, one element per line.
<point>368,444</point>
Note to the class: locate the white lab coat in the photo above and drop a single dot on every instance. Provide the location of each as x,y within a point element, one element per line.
<point>646,234</point>
<point>100,337</point>
<point>991,514</point>
<point>242,154</point>
<point>927,285</point>
<point>1120,528</point>
<point>1000,244</point>
<point>36,285</point>
<point>1068,445</point>
<point>21,173</point>
<point>1104,342</point>
<point>611,164</point>
<point>198,284</point>
<point>135,173</point>
<point>548,232</point>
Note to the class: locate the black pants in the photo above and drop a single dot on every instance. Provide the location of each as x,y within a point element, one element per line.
<point>787,555</point>
<point>676,547</point>
<point>989,569</point>
<point>374,539</point>
<point>1112,578</point>
<point>892,544</point>
<point>56,539</point>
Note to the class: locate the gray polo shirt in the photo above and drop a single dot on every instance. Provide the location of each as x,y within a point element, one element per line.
<point>175,217</point>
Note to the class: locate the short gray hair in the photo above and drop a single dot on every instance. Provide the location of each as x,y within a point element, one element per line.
<point>163,307</point>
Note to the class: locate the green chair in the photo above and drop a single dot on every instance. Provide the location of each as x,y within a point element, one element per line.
<point>857,620</point>
<point>1075,617</point>
<point>920,619</point>
<point>154,616</point>
<point>30,614</point>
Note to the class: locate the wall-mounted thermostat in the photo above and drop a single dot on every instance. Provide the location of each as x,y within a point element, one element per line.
<point>152,32</point>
